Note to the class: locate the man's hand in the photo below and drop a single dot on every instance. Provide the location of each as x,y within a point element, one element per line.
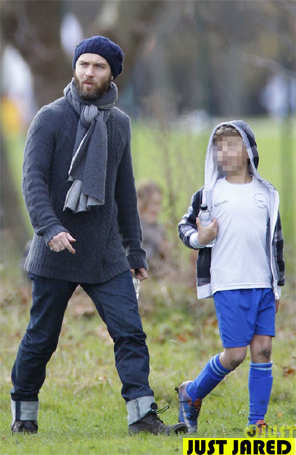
<point>62,241</point>
<point>206,234</point>
<point>277,305</point>
<point>141,273</point>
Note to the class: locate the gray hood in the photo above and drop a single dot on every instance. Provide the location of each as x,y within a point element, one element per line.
<point>212,173</point>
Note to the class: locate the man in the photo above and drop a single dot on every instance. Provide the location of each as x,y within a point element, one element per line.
<point>79,190</point>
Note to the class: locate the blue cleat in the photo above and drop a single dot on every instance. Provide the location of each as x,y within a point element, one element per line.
<point>188,411</point>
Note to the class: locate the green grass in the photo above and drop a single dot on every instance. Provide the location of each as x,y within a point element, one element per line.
<point>81,409</point>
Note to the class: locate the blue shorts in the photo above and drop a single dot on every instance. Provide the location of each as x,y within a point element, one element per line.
<point>243,313</point>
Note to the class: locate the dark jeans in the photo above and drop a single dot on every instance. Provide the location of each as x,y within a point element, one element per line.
<point>117,305</point>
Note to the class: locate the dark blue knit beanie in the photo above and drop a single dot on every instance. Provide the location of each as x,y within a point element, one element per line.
<point>103,47</point>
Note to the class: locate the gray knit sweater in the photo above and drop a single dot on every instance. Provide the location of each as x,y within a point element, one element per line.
<point>108,237</point>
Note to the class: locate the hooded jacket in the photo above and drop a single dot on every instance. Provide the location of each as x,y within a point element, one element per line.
<point>187,227</point>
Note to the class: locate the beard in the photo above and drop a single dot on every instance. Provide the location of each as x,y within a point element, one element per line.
<point>94,92</point>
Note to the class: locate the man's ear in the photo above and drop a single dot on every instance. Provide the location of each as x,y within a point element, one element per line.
<point>112,78</point>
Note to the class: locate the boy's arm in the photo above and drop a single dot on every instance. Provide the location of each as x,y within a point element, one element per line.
<point>206,234</point>
<point>279,252</point>
<point>187,226</point>
<point>192,234</point>
<point>278,257</point>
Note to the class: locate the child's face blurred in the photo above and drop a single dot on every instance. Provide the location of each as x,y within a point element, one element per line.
<point>231,154</point>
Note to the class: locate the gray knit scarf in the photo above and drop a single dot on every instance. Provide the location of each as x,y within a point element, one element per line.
<point>89,161</point>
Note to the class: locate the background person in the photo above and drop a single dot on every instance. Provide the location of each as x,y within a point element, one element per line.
<point>155,242</point>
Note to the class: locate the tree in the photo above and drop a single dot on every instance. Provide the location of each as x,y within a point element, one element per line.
<point>33,27</point>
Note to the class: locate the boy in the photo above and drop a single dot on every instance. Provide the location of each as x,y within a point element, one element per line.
<point>242,270</point>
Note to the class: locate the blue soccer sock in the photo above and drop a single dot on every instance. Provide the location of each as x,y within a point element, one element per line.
<point>260,385</point>
<point>208,379</point>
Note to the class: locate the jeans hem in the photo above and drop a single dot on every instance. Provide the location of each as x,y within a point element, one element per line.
<point>139,408</point>
<point>24,410</point>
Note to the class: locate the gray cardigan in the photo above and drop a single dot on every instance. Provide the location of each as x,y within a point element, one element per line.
<point>108,238</point>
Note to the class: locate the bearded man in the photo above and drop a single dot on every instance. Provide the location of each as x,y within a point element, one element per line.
<point>79,190</point>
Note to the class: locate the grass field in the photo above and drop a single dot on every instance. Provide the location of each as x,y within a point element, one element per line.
<point>81,409</point>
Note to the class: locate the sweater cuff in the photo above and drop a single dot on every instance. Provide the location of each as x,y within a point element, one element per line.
<point>194,241</point>
<point>51,231</point>
<point>137,261</point>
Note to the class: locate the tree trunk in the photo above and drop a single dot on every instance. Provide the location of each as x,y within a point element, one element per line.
<point>128,23</point>
<point>33,27</point>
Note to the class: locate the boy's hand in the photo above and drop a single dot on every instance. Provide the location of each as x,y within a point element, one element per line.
<point>206,234</point>
<point>277,305</point>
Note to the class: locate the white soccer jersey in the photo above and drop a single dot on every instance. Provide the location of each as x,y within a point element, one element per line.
<point>240,255</point>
